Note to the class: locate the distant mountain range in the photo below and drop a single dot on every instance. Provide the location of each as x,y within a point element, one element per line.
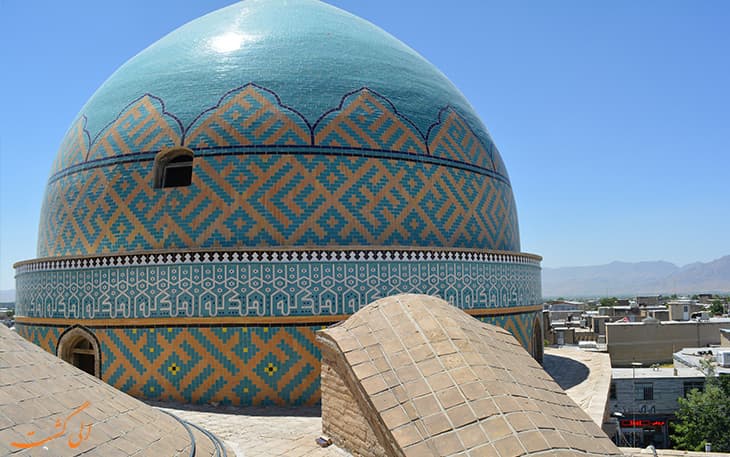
<point>628,279</point>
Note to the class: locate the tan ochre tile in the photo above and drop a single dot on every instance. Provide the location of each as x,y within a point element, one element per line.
<point>395,417</point>
<point>472,435</point>
<point>496,428</point>
<point>437,423</point>
<point>509,447</point>
<point>448,443</point>
<point>426,405</point>
<point>461,415</point>
<point>450,397</point>
<point>533,441</point>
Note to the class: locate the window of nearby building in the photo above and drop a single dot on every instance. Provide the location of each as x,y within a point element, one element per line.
<point>174,168</point>
<point>644,391</point>
<point>690,385</point>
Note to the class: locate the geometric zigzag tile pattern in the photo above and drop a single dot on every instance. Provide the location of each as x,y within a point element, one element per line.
<point>278,284</point>
<point>232,365</point>
<point>143,125</point>
<point>241,365</point>
<point>248,116</point>
<point>45,336</point>
<point>366,120</point>
<point>236,365</point>
<point>452,138</point>
<point>74,147</point>
<point>277,200</point>
<point>263,175</point>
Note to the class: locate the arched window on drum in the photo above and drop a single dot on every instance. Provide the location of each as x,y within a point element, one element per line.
<point>174,168</point>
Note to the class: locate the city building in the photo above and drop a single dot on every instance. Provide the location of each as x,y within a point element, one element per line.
<point>643,398</point>
<point>646,402</point>
<point>652,341</point>
<point>650,300</point>
<point>631,313</point>
<point>658,314</point>
<point>565,311</point>
<point>683,309</point>
<point>254,176</point>
<point>693,357</point>
<point>725,337</point>
<point>705,298</point>
<point>6,316</point>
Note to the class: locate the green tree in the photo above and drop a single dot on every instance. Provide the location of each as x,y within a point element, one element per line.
<point>704,416</point>
<point>717,307</point>
<point>606,301</point>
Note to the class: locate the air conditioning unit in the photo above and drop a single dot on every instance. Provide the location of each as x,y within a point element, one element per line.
<point>723,359</point>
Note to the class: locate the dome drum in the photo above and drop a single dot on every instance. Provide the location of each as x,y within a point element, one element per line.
<point>239,326</point>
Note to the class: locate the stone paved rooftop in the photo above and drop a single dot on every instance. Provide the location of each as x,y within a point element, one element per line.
<point>261,431</point>
<point>661,372</point>
<point>290,432</point>
<point>690,359</point>
<point>584,375</point>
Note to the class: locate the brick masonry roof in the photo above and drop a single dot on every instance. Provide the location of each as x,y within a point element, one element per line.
<point>431,380</point>
<point>49,407</point>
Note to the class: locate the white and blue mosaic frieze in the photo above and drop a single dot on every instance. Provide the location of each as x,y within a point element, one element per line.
<point>265,284</point>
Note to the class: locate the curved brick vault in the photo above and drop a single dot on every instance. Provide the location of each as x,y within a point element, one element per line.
<point>49,407</point>
<point>411,375</point>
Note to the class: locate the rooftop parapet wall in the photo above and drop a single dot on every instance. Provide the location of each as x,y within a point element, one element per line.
<point>428,379</point>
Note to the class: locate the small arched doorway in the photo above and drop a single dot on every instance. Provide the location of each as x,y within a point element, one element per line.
<point>79,347</point>
<point>536,345</point>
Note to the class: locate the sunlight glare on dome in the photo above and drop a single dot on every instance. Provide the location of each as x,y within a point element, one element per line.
<point>228,42</point>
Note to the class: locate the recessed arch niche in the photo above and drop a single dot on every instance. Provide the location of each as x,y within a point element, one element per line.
<point>79,347</point>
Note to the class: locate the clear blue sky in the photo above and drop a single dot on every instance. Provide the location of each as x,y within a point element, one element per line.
<point>613,118</point>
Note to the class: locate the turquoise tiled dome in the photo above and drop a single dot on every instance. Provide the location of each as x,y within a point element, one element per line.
<point>318,165</point>
<point>310,127</point>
